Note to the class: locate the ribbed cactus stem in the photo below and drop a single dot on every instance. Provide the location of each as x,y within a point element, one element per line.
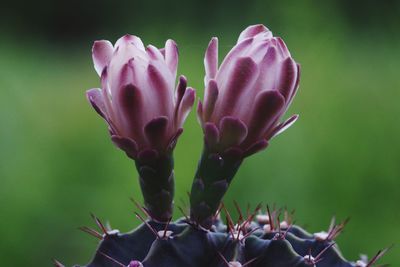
<point>214,174</point>
<point>156,177</point>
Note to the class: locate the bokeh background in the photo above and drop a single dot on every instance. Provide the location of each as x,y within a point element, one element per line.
<point>57,163</point>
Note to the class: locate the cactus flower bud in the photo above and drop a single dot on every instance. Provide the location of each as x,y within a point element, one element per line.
<point>245,97</point>
<point>144,114</point>
<point>137,97</point>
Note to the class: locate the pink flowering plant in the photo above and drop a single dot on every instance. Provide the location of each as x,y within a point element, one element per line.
<point>244,101</point>
<point>143,111</point>
<point>245,98</point>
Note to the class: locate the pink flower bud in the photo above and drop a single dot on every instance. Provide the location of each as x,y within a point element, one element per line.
<point>246,96</point>
<point>137,97</point>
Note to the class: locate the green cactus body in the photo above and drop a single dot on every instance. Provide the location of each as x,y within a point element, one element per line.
<point>254,244</point>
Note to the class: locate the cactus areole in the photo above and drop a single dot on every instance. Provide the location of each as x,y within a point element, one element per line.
<point>245,98</point>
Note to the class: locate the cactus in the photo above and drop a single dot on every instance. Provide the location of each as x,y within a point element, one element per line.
<point>255,240</point>
<point>244,100</point>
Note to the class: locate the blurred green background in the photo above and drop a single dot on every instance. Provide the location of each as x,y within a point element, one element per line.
<point>57,163</point>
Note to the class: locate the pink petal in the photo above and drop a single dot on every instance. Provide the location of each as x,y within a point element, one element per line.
<point>266,80</point>
<point>296,87</point>
<point>156,132</point>
<point>127,74</point>
<point>211,59</point>
<point>241,78</point>
<point>161,93</point>
<point>126,144</point>
<point>269,67</point>
<point>253,30</point>
<point>287,78</point>
<point>283,48</point>
<point>171,56</point>
<point>200,112</point>
<point>154,53</point>
<point>125,53</point>
<point>210,98</point>
<point>235,53</point>
<point>211,134</point>
<point>258,50</point>
<point>95,98</point>
<point>104,79</point>
<point>180,89</point>
<point>267,109</point>
<point>131,109</point>
<point>186,105</point>
<point>179,92</point>
<point>233,131</point>
<point>101,53</point>
<point>158,61</point>
<point>130,39</point>
<point>106,94</point>
<point>284,126</point>
<point>174,139</point>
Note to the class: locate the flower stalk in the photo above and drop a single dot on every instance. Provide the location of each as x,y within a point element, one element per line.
<point>212,179</point>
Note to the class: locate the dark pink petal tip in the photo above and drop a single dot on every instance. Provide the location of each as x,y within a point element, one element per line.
<point>181,87</point>
<point>288,78</point>
<point>268,107</point>
<point>190,93</point>
<point>156,78</point>
<point>131,104</point>
<point>233,131</point>
<point>200,112</point>
<point>211,134</point>
<point>188,99</point>
<point>180,92</point>
<point>126,144</point>
<point>243,75</point>
<point>156,130</point>
<point>268,103</point>
<point>154,53</point>
<point>283,47</point>
<point>210,98</point>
